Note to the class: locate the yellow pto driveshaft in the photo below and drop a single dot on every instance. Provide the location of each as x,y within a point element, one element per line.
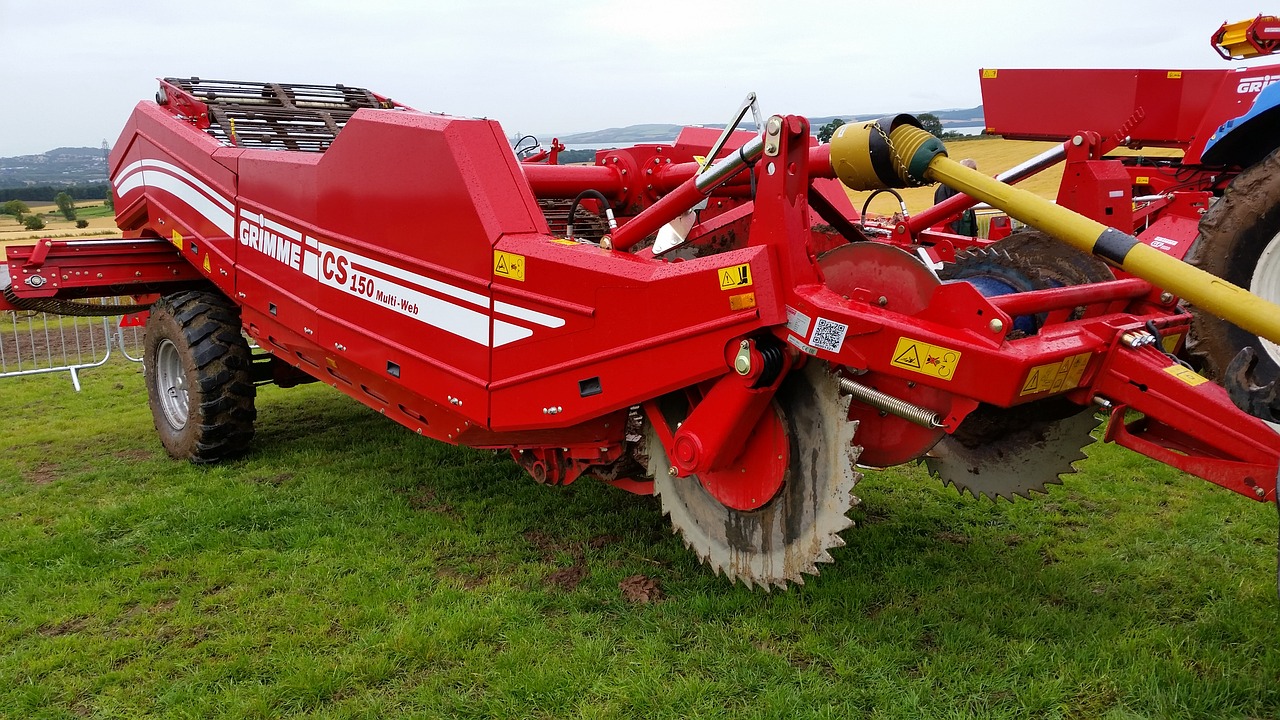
<point>870,156</point>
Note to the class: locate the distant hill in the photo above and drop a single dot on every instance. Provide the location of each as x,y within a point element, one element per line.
<point>665,132</point>
<point>63,166</point>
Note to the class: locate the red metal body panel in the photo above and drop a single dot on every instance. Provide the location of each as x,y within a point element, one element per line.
<point>1161,108</point>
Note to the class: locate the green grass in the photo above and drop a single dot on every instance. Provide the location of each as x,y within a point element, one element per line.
<point>94,210</point>
<point>348,568</point>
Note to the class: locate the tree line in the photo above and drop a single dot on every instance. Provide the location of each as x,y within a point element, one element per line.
<point>48,193</point>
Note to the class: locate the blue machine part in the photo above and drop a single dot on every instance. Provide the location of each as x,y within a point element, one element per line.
<point>1250,137</point>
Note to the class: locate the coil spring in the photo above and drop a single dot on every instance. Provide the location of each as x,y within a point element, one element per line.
<point>892,405</point>
<point>771,352</point>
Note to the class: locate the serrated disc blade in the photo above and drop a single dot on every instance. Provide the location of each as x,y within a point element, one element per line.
<point>774,544</point>
<point>1017,463</point>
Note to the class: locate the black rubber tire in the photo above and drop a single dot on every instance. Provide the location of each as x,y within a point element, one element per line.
<point>204,329</point>
<point>1233,234</point>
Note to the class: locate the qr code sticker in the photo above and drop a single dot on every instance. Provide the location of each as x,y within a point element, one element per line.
<point>828,335</point>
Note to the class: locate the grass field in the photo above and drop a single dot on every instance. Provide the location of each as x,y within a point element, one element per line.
<point>350,569</point>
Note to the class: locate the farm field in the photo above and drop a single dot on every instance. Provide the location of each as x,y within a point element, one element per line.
<point>102,223</point>
<point>347,568</point>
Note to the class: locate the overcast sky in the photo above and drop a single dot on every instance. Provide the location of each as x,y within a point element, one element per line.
<point>77,68</point>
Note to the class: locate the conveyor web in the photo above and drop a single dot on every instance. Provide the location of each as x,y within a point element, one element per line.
<point>277,116</point>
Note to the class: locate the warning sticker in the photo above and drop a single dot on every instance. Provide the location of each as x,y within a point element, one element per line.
<point>925,359</point>
<point>988,73</point>
<point>1186,375</point>
<point>1056,376</point>
<point>177,239</point>
<point>1174,74</point>
<point>745,301</point>
<point>508,265</point>
<point>1170,342</point>
<point>797,322</point>
<point>828,335</point>
<point>737,276</point>
<point>207,268</point>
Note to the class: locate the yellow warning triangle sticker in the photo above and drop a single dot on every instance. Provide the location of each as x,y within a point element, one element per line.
<point>909,357</point>
<point>501,269</point>
<point>206,264</point>
<point>728,280</point>
<point>1033,381</point>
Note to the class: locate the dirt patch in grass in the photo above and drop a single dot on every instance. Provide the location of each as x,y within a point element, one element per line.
<point>276,480</point>
<point>468,581</point>
<point>42,474</point>
<point>566,578</point>
<point>134,455</point>
<point>600,541</point>
<point>424,498</point>
<point>549,546</point>
<point>641,590</point>
<point>73,625</point>
<point>954,538</point>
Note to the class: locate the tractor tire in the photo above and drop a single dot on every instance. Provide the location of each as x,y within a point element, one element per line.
<point>197,365</point>
<point>1239,242</point>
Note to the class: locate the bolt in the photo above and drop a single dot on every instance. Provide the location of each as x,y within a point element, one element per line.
<point>1166,297</point>
<point>1259,492</point>
<point>744,344</point>
<point>671,471</point>
<point>882,301</point>
<point>1077,140</point>
<point>996,325</point>
<point>774,126</point>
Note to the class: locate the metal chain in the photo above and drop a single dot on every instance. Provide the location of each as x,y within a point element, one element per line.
<point>893,152</point>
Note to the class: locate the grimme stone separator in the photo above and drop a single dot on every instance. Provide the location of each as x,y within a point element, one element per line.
<point>705,320</point>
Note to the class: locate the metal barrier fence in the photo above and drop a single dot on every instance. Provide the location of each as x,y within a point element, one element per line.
<point>32,343</point>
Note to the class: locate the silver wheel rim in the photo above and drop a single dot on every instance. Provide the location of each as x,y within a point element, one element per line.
<point>171,382</point>
<point>1265,283</point>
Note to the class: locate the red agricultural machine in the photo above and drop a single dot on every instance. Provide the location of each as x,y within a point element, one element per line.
<point>706,320</point>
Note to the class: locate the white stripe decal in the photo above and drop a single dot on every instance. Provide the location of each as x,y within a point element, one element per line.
<point>174,169</point>
<point>182,190</point>
<point>282,229</point>
<point>443,288</point>
<point>455,319</point>
<point>504,333</point>
<point>532,316</point>
<point>266,222</point>
<point>336,270</point>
